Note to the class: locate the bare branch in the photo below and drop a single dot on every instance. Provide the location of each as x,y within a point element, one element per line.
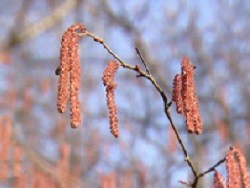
<point>211,169</point>
<point>158,88</point>
<point>142,60</point>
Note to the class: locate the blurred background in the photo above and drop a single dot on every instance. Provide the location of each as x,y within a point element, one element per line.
<point>38,147</point>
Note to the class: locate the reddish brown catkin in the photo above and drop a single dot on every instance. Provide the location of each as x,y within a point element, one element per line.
<point>70,74</point>
<point>63,72</point>
<point>219,181</point>
<point>187,92</point>
<point>233,179</point>
<point>189,99</point>
<point>108,81</point>
<point>75,81</point>
<point>196,116</point>
<point>245,179</point>
<point>187,74</point>
<point>176,96</point>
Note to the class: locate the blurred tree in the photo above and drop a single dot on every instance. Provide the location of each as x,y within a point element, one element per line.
<point>214,34</point>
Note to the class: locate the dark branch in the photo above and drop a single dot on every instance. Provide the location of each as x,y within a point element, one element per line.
<point>211,169</point>
<point>142,60</point>
<point>149,77</point>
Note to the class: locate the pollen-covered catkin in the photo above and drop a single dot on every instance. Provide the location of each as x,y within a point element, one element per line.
<point>237,175</point>
<point>196,116</point>
<point>70,74</point>
<point>219,181</point>
<point>108,81</point>
<point>190,122</point>
<point>75,81</point>
<point>63,74</point>
<point>113,117</point>
<point>187,74</point>
<point>245,179</point>
<point>176,95</point>
<point>233,178</point>
<point>185,97</point>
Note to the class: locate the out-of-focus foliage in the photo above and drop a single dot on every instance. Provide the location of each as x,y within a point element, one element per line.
<point>214,34</point>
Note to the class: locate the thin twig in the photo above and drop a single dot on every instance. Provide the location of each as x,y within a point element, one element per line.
<point>158,88</point>
<point>187,159</point>
<point>211,169</point>
<point>187,184</point>
<point>126,65</point>
<point>142,60</point>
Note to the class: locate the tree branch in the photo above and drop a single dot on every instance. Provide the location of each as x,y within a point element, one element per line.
<point>211,169</point>
<point>156,85</point>
<point>142,60</point>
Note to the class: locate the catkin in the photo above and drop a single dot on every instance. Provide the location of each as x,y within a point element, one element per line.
<point>245,179</point>
<point>189,122</point>
<point>108,81</point>
<point>185,98</point>
<point>70,74</point>
<point>63,74</point>
<point>233,178</point>
<point>236,168</point>
<point>196,116</point>
<point>187,74</point>
<point>237,176</point>
<point>75,81</point>
<point>219,181</point>
<point>176,96</point>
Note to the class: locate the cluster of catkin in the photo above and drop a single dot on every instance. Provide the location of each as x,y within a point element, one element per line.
<point>69,73</point>
<point>109,81</point>
<point>236,169</point>
<point>185,98</point>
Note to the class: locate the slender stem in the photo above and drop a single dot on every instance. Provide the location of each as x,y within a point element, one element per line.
<point>211,169</point>
<point>142,60</point>
<point>187,159</point>
<point>126,65</point>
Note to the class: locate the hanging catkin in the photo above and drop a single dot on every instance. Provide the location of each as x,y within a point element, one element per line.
<point>185,98</point>
<point>219,181</point>
<point>70,74</point>
<point>177,97</point>
<point>243,168</point>
<point>187,74</point>
<point>108,81</point>
<point>236,169</point>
